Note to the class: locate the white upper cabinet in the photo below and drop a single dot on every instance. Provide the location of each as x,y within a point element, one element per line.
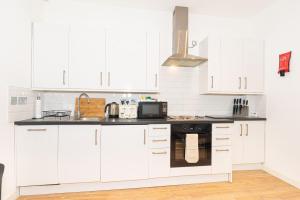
<point>87,57</point>
<point>124,153</point>
<point>235,66</point>
<point>50,56</point>
<point>126,60</point>
<point>79,153</point>
<point>253,77</point>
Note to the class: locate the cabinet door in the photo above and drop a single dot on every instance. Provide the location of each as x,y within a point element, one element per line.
<point>221,160</point>
<point>238,143</point>
<point>87,57</point>
<point>50,56</point>
<point>159,162</point>
<point>123,153</point>
<point>153,61</point>
<point>253,79</point>
<point>254,141</point>
<point>79,154</point>
<point>231,65</point>
<point>36,155</point>
<point>214,65</point>
<point>126,60</point>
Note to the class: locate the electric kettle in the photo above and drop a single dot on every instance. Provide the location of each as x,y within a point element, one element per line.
<point>112,109</point>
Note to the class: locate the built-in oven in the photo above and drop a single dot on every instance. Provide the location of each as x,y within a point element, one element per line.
<point>202,136</point>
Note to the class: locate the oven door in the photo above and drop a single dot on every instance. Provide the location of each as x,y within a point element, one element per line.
<point>178,146</point>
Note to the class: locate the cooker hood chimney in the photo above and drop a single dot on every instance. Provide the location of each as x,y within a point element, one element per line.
<point>180,57</point>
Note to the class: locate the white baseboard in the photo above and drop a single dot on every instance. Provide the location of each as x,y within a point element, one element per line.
<point>97,186</point>
<point>282,177</point>
<point>241,167</point>
<point>12,197</point>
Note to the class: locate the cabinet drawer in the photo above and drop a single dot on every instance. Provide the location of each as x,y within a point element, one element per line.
<point>159,130</point>
<point>159,163</point>
<point>159,142</point>
<point>221,160</point>
<point>222,128</point>
<point>221,140</point>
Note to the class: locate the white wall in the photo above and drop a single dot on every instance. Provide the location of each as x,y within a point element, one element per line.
<point>14,70</point>
<point>279,25</point>
<point>178,85</point>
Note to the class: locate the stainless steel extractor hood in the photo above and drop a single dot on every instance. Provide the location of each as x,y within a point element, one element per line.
<point>180,57</point>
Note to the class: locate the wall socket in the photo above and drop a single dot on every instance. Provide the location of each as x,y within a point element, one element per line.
<point>22,100</point>
<point>13,101</point>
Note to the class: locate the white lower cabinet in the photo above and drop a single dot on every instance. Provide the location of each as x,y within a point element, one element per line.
<point>79,153</point>
<point>221,148</point>
<point>248,142</point>
<point>124,153</point>
<point>36,155</point>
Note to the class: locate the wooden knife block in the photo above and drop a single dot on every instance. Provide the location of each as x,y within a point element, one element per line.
<point>90,108</point>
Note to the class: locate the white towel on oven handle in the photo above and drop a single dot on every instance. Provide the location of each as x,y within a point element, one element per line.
<point>191,148</point>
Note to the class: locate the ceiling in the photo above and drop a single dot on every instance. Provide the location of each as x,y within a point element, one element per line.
<point>221,8</point>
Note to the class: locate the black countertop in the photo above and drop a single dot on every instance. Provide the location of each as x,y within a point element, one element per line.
<point>118,121</point>
<point>237,118</point>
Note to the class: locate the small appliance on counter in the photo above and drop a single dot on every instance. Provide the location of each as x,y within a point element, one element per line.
<point>112,109</point>
<point>128,109</point>
<point>152,110</point>
<point>38,108</point>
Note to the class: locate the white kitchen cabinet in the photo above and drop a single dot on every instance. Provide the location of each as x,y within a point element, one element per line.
<point>235,66</point>
<point>124,153</point>
<point>248,142</point>
<point>50,56</point>
<point>221,160</point>
<point>79,153</point>
<point>253,74</point>
<point>87,57</point>
<point>153,59</point>
<point>159,162</point>
<point>36,155</point>
<point>126,53</point>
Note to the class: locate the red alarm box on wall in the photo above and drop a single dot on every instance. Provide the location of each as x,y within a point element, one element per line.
<point>284,63</point>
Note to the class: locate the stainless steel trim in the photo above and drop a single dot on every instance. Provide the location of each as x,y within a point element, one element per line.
<point>212,81</point>
<point>241,125</point>
<point>222,138</point>
<point>222,127</point>
<point>96,137</point>
<point>247,129</point>
<point>221,150</point>
<point>164,140</point>
<point>246,83</point>
<point>101,79</point>
<point>64,77</point>
<point>36,130</point>
<point>240,82</point>
<point>144,136</point>
<point>159,153</point>
<point>164,128</point>
<point>156,80</point>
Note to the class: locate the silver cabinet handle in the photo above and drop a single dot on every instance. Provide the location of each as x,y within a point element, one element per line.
<point>241,125</point>
<point>64,77</point>
<point>222,127</point>
<point>164,128</point>
<point>145,136</point>
<point>221,150</point>
<point>212,81</point>
<point>96,137</point>
<point>240,82</point>
<point>159,153</point>
<point>156,80</point>
<point>101,79</point>
<point>108,79</point>
<point>222,138</point>
<point>246,83</point>
<point>36,130</point>
<point>165,140</point>
<point>247,129</point>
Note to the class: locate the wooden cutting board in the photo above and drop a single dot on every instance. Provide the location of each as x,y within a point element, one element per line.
<point>93,107</point>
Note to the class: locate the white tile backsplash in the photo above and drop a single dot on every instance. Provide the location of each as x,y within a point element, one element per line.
<point>179,86</point>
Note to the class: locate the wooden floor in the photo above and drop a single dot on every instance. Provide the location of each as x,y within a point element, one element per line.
<point>247,185</point>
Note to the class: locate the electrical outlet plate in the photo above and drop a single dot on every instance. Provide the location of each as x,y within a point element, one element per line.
<point>22,100</point>
<point>13,101</point>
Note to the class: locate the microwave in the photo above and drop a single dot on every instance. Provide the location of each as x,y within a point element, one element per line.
<point>152,110</point>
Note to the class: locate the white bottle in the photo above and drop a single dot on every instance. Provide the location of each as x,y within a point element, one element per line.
<point>38,108</point>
